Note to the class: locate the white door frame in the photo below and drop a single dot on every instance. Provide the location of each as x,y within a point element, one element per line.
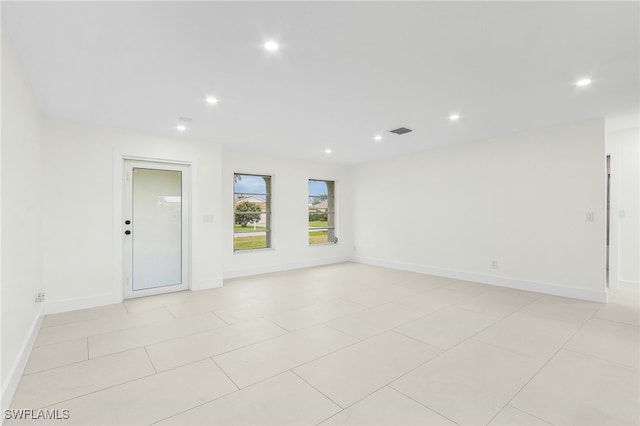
<point>119,159</point>
<point>614,223</point>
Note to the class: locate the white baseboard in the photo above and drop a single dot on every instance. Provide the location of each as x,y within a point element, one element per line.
<point>79,303</point>
<point>518,284</point>
<point>205,285</point>
<point>9,388</point>
<point>284,267</point>
<point>629,282</point>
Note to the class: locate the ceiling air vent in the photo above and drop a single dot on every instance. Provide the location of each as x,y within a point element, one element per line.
<point>401,131</point>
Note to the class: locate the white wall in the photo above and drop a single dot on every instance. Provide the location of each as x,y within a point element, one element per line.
<point>81,262</point>
<point>519,199</point>
<point>21,216</point>
<point>624,145</point>
<point>289,205</point>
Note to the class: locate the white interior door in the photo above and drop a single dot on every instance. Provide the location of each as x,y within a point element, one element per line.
<point>155,228</point>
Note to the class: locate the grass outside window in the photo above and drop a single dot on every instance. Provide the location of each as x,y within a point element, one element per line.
<point>321,227</point>
<point>252,212</point>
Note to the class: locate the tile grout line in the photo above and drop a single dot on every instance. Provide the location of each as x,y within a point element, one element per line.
<point>444,351</point>
<point>511,351</point>
<point>497,320</point>
<point>158,342</point>
<point>324,321</point>
<point>296,366</point>
<point>547,295</point>
<point>183,365</point>
<point>344,299</point>
<point>290,369</point>
<point>544,365</point>
<point>145,377</point>
<point>424,405</point>
<point>344,332</point>
<point>494,316</point>
<point>330,417</point>
<point>150,360</point>
<point>219,317</point>
<point>86,338</point>
<point>423,314</point>
<point>525,412</point>
<point>95,391</point>
<point>386,384</point>
<point>447,350</point>
<point>277,325</point>
<point>415,339</point>
<point>225,373</point>
<point>318,390</point>
<point>194,407</point>
<point>153,343</point>
<point>369,394</point>
<point>172,314</point>
<point>607,361</point>
<point>616,321</point>
<point>130,349</point>
<point>529,314</point>
<point>106,316</point>
<point>337,350</point>
<point>158,322</point>
<point>225,352</point>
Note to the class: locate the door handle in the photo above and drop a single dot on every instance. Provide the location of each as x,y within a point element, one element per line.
<point>127,232</point>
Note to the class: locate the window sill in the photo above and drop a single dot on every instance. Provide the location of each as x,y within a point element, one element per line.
<point>260,250</point>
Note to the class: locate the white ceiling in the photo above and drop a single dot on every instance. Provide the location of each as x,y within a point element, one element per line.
<point>345,72</point>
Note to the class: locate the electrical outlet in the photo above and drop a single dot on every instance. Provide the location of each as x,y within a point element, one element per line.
<point>40,297</point>
<point>494,264</point>
<point>588,216</point>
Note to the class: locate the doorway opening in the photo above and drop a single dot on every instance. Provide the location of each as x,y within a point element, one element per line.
<point>608,235</point>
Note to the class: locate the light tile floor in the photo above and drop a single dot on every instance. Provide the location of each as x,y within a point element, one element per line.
<point>344,344</point>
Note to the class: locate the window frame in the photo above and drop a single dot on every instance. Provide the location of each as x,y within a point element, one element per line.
<point>267,210</point>
<point>331,211</point>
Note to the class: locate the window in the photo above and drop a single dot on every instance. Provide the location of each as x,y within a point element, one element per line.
<point>322,214</point>
<point>252,212</point>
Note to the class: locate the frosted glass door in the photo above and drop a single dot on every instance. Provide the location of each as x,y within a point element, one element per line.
<point>157,228</point>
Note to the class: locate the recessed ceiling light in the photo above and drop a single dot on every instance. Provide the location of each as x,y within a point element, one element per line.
<point>377,138</point>
<point>327,151</point>
<point>181,128</point>
<point>271,46</point>
<point>211,100</point>
<point>454,117</point>
<point>584,82</point>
